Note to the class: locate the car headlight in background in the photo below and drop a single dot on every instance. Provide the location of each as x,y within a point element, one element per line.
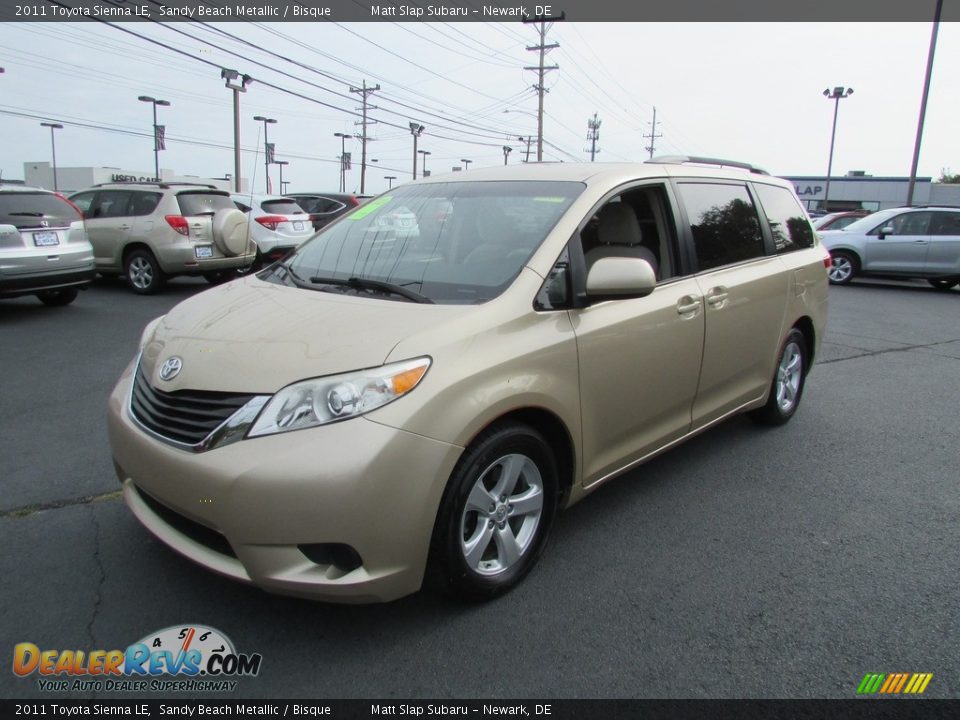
<point>337,397</point>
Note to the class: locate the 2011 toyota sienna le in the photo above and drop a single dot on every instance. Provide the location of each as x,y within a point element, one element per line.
<point>381,408</point>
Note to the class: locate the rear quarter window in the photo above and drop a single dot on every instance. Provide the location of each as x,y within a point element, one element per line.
<point>724,223</point>
<point>788,222</point>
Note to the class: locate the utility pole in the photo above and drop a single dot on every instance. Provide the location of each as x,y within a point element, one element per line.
<point>593,134</point>
<point>526,153</point>
<point>415,130</point>
<point>653,134</point>
<point>506,153</point>
<point>364,92</point>
<point>542,48</point>
<point>923,102</point>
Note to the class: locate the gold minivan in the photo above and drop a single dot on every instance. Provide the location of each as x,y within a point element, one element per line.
<point>383,408</point>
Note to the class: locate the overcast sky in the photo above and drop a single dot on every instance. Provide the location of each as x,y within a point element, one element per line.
<point>749,92</point>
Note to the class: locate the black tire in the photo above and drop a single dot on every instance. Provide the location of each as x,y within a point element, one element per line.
<point>483,465</point>
<point>218,277</point>
<point>143,272</point>
<point>843,268</point>
<point>786,388</point>
<point>255,266</point>
<point>58,298</point>
<point>943,283</point>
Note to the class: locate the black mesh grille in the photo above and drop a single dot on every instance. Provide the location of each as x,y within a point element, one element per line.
<point>185,416</point>
<point>195,531</point>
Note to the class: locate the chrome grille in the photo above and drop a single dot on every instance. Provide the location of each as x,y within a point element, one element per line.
<point>184,416</point>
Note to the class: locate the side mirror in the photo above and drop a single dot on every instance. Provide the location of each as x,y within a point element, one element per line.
<point>620,277</point>
<point>884,231</point>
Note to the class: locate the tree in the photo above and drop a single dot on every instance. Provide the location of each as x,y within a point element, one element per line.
<point>947,177</point>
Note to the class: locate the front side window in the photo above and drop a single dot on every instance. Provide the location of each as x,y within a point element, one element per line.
<point>111,204</point>
<point>788,222</point>
<point>724,223</point>
<point>451,243</point>
<point>914,223</point>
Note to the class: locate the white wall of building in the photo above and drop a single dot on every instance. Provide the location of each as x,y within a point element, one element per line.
<point>74,179</point>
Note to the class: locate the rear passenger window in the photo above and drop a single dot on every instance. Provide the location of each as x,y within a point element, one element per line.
<point>945,223</point>
<point>144,203</point>
<point>788,222</point>
<point>724,223</point>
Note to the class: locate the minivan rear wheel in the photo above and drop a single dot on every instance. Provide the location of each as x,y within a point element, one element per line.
<point>495,515</point>
<point>788,379</point>
<point>843,267</point>
<point>143,272</point>
<point>943,283</point>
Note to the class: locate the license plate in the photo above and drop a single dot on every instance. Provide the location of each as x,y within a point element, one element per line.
<point>45,239</point>
<point>297,225</point>
<point>204,251</point>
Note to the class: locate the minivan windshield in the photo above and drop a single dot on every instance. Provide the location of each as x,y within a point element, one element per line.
<point>448,243</point>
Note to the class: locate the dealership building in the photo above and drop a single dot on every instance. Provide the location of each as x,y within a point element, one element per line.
<point>857,190</point>
<point>73,179</point>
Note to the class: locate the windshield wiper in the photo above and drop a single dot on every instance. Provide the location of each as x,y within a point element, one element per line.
<point>367,284</point>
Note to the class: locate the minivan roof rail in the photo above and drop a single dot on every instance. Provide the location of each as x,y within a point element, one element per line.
<point>681,159</point>
<point>159,184</point>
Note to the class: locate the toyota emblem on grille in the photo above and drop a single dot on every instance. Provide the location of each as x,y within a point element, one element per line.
<point>170,368</point>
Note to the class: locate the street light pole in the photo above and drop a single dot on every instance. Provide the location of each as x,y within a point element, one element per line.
<point>391,178</point>
<point>424,153</point>
<point>838,94</point>
<point>53,148</point>
<point>466,163</point>
<point>266,149</point>
<point>231,78</point>
<point>415,129</point>
<point>506,152</point>
<point>923,102</point>
<point>156,131</point>
<point>343,159</point>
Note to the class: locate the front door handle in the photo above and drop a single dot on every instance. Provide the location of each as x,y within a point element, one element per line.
<point>717,296</point>
<point>688,304</point>
<point>921,242</point>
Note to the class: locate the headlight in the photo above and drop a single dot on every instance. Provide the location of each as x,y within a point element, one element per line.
<point>337,397</point>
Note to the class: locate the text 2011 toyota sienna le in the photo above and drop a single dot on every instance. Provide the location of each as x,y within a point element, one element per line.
<point>382,408</point>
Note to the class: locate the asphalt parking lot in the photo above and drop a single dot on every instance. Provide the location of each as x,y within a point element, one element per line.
<point>746,563</point>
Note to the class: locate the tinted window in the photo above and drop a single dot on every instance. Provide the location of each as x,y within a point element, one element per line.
<point>841,223</point>
<point>202,202</point>
<point>788,222</point>
<point>111,203</point>
<point>724,223</point>
<point>27,209</point>
<point>83,201</point>
<point>144,203</point>
<point>457,243</point>
<point>945,223</point>
<point>281,207</point>
<point>319,204</point>
<point>914,223</point>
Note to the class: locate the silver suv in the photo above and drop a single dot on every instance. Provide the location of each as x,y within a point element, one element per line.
<point>905,242</point>
<point>43,249</point>
<point>149,231</point>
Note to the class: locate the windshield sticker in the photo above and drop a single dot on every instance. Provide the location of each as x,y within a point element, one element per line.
<point>370,207</point>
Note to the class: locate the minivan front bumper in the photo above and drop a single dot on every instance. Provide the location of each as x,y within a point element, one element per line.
<point>248,510</point>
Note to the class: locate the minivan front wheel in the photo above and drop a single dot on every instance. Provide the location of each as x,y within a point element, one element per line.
<point>843,267</point>
<point>943,283</point>
<point>495,515</point>
<point>143,272</point>
<point>787,386</point>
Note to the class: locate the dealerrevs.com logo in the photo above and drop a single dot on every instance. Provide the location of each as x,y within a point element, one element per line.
<point>184,658</point>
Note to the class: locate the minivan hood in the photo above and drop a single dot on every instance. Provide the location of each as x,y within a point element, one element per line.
<point>250,336</point>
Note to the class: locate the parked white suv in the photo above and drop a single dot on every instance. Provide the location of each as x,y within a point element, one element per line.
<point>43,248</point>
<point>279,225</point>
<point>149,231</point>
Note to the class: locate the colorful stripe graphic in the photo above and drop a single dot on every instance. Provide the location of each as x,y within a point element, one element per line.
<point>894,683</point>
